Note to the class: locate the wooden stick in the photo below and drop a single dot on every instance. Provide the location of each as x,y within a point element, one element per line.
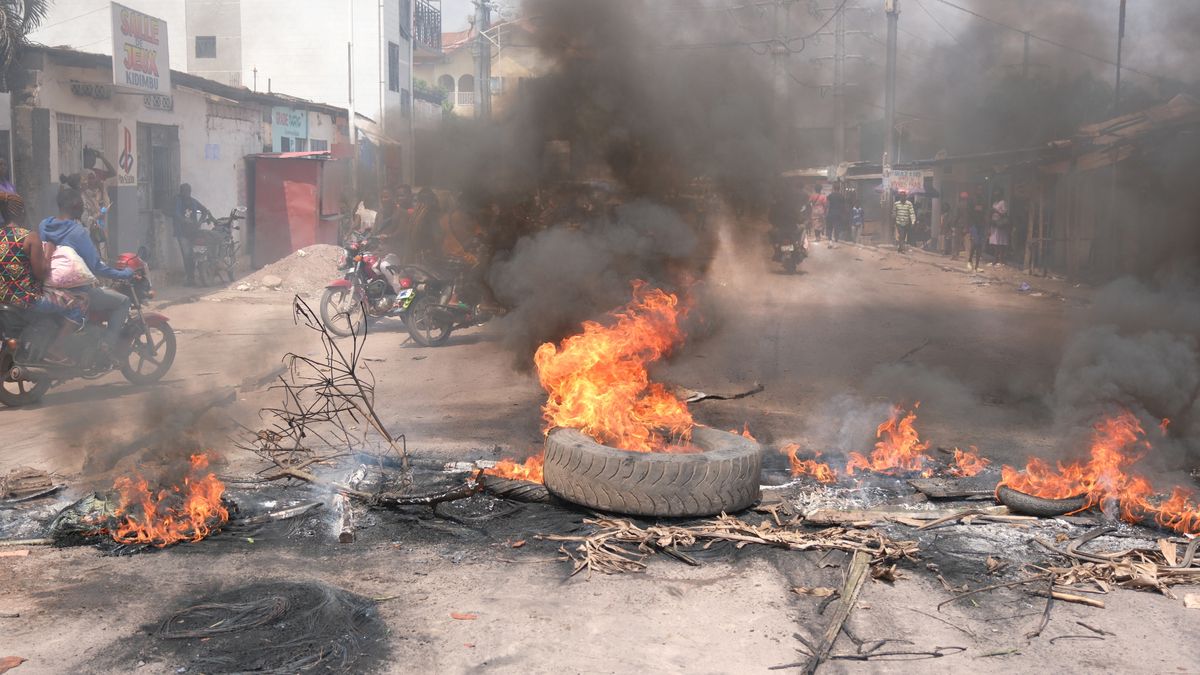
<point>27,542</point>
<point>1018,582</point>
<point>859,565</point>
<point>344,510</point>
<point>1071,597</point>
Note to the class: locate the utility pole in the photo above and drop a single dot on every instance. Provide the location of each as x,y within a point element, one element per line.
<point>839,88</point>
<point>779,65</point>
<point>352,126</point>
<point>1120,39</point>
<point>892,7</point>
<point>483,60</point>
<point>1025,59</point>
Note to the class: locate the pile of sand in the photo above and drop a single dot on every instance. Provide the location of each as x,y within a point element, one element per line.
<point>306,271</point>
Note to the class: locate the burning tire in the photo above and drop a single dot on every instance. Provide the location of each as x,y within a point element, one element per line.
<point>1041,507</point>
<point>724,476</point>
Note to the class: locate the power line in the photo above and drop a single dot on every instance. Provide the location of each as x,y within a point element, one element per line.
<point>68,20</point>
<point>939,23</point>
<point>1054,43</point>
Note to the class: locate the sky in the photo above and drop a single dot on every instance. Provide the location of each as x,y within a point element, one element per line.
<point>455,13</point>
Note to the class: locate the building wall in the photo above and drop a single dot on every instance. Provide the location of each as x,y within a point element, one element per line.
<point>86,25</point>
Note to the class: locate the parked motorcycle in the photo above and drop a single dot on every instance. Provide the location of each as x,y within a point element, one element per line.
<point>144,352</point>
<point>215,249</point>
<point>363,293</point>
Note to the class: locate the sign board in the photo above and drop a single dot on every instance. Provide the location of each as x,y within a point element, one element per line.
<point>287,123</point>
<point>912,182</point>
<point>140,57</point>
<point>92,90</point>
<point>127,159</point>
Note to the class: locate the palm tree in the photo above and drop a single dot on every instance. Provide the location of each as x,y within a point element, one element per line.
<point>17,19</point>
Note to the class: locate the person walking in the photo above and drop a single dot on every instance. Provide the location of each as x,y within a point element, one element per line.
<point>957,224</point>
<point>976,230</point>
<point>857,217</point>
<point>835,215</point>
<point>816,211</point>
<point>999,235</point>
<point>906,215</point>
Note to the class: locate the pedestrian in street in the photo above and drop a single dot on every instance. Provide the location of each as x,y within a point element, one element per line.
<point>857,217</point>
<point>905,215</point>
<point>187,215</point>
<point>816,211</point>
<point>977,229</point>
<point>93,184</point>
<point>999,235</point>
<point>835,214</point>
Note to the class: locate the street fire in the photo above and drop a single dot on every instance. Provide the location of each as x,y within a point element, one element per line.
<point>187,512</point>
<point>1106,480</point>
<point>899,448</point>
<point>820,471</point>
<point>597,381</point>
<point>968,463</point>
<point>530,469</point>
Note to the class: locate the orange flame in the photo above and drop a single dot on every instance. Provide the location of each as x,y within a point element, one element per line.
<point>745,432</point>
<point>530,469</point>
<point>899,448</point>
<point>822,472</point>
<point>1162,426</point>
<point>597,381</point>
<point>968,463</point>
<point>1117,443</point>
<point>189,512</point>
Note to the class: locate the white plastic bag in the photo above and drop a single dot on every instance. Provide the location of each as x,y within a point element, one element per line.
<point>68,270</point>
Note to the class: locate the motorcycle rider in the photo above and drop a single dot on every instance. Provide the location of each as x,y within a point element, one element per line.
<point>66,230</point>
<point>784,220</point>
<point>188,214</point>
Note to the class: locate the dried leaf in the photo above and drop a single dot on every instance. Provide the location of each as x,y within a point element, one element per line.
<point>518,544</point>
<point>816,591</point>
<point>464,616</point>
<point>1061,537</point>
<point>1169,551</point>
<point>1191,600</point>
<point>995,564</point>
<point>7,663</point>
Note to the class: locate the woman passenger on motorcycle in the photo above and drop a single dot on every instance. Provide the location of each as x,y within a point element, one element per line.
<point>24,265</point>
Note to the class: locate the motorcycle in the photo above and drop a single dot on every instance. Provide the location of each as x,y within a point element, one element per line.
<point>144,352</point>
<point>438,308</point>
<point>215,249</point>
<point>790,249</point>
<point>363,293</point>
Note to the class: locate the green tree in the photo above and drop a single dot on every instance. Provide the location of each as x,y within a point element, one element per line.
<point>17,19</point>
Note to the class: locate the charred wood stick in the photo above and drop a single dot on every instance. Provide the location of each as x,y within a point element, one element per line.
<point>27,542</point>
<point>859,565</point>
<point>344,524</point>
<point>283,514</point>
<point>305,476</point>
<point>1007,584</point>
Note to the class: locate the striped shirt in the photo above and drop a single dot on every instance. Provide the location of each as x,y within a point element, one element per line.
<point>905,214</point>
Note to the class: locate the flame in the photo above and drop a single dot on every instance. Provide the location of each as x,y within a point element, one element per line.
<point>968,463</point>
<point>745,432</point>
<point>1162,426</point>
<point>822,472</point>
<point>530,469</point>
<point>189,512</point>
<point>899,448</point>
<point>597,381</point>
<point>1117,443</point>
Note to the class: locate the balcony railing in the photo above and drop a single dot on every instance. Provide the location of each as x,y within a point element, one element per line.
<point>427,25</point>
<point>464,98</point>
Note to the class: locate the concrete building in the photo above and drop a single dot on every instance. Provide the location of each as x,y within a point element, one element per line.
<point>453,68</point>
<point>239,43</point>
<point>63,102</point>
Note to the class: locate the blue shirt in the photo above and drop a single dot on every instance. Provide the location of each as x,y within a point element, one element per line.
<point>72,233</point>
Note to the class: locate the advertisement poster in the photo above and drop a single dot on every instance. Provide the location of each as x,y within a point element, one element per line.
<point>140,58</point>
<point>127,157</point>
<point>290,124</point>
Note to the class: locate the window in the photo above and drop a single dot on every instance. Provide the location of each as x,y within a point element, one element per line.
<point>206,46</point>
<point>393,66</point>
<point>497,85</point>
<point>317,145</point>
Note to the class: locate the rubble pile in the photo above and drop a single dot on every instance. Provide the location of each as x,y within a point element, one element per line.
<point>304,272</point>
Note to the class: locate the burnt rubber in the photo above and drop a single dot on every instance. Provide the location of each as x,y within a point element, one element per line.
<point>1038,506</point>
<point>723,477</point>
<point>516,490</point>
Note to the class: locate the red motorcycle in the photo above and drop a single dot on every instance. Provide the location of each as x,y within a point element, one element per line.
<point>144,353</point>
<point>363,293</point>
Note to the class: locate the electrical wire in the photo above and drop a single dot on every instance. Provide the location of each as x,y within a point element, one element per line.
<point>1055,43</point>
<point>939,23</point>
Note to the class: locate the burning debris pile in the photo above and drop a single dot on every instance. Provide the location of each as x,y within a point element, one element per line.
<point>135,515</point>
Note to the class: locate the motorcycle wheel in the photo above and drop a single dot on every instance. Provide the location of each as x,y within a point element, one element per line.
<point>202,272</point>
<point>15,394</point>
<point>340,320</point>
<point>789,264</point>
<point>424,328</point>
<point>154,347</point>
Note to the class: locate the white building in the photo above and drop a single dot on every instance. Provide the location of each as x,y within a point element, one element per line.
<point>297,47</point>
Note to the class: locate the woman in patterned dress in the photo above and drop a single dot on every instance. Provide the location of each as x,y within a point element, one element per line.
<point>23,261</point>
